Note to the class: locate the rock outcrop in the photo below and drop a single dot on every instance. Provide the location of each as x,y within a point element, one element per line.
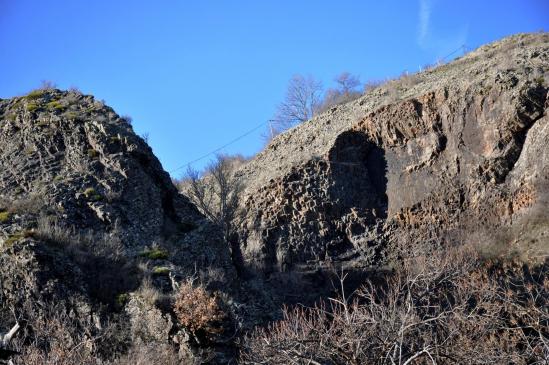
<point>87,214</point>
<point>93,232</point>
<point>451,154</point>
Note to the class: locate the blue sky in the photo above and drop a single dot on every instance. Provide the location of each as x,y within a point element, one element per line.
<point>197,74</point>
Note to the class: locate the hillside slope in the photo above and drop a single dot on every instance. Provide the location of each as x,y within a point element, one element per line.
<point>453,154</point>
<point>91,225</point>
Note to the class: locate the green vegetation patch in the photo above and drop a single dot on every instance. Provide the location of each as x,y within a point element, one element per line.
<point>92,195</point>
<point>15,237</point>
<point>55,105</point>
<point>4,216</point>
<point>122,299</point>
<point>42,123</point>
<point>36,94</point>
<point>32,107</point>
<point>93,153</point>
<point>155,254</point>
<point>161,271</point>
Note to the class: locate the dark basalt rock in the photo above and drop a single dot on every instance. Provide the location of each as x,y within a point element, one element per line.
<point>444,156</point>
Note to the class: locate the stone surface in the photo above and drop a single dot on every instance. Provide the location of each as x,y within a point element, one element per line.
<point>83,202</point>
<point>451,155</point>
<point>434,157</point>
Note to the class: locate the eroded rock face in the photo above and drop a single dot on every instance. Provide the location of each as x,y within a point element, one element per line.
<point>83,203</point>
<point>88,165</point>
<point>461,147</point>
<point>83,165</point>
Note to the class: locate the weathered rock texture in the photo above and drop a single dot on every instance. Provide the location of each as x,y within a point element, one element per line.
<point>76,157</point>
<point>456,153</point>
<point>451,154</point>
<point>87,213</point>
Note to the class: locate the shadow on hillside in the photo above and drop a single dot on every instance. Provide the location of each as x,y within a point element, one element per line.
<point>357,196</point>
<point>359,174</point>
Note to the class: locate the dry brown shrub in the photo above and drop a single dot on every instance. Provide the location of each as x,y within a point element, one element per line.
<point>197,310</point>
<point>447,308</point>
<point>55,335</point>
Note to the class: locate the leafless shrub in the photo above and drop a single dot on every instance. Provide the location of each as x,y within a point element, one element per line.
<point>371,85</point>
<point>441,309</point>
<point>47,85</point>
<point>408,80</point>
<point>217,193</point>
<point>211,274</point>
<point>197,310</point>
<point>53,335</point>
<point>127,119</point>
<point>335,97</point>
<point>302,101</point>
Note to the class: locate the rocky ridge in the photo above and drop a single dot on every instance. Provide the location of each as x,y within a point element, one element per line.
<point>88,215</point>
<point>451,154</point>
<point>90,221</point>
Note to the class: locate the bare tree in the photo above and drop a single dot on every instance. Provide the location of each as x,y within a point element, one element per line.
<point>217,192</point>
<point>346,91</point>
<point>302,101</point>
<point>347,83</point>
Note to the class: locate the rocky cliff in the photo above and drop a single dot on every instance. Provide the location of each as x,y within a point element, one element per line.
<point>90,222</point>
<point>452,154</point>
<point>94,236</point>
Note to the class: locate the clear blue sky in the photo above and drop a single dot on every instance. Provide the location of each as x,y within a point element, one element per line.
<point>197,74</point>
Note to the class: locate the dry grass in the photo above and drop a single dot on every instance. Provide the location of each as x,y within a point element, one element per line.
<point>444,308</point>
<point>30,204</point>
<point>156,354</point>
<point>52,335</point>
<point>150,295</point>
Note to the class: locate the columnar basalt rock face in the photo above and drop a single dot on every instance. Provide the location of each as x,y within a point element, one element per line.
<point>82,201</point>
<point>86,163</point>
<point>460,148</point>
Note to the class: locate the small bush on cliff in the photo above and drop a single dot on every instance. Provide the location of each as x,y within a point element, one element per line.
<point>161,271</point>
<point>4,216</point>
<point>92,195</point>
<point>197,310</point>
<point>155,253</point>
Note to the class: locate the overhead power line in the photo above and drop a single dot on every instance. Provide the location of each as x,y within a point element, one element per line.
<point>462,48</point>
<point>222,147</point>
